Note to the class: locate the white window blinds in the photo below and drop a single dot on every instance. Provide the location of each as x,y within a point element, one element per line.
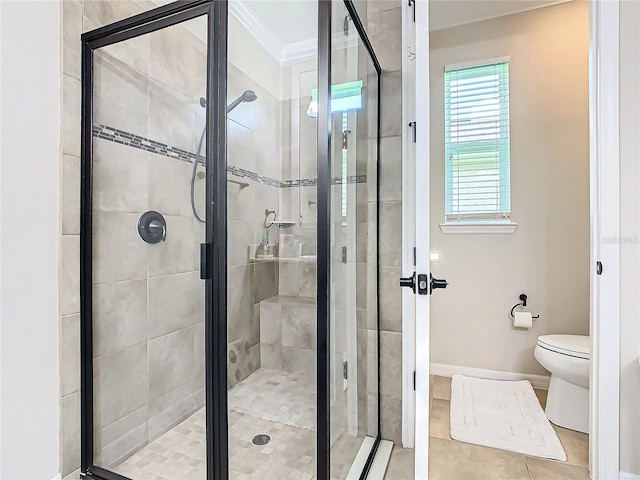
<point>477,177</point>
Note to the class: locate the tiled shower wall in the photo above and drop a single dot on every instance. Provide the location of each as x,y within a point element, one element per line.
<point>384,27</point>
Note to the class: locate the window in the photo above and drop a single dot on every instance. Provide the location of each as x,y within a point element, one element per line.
<point>477,166</point>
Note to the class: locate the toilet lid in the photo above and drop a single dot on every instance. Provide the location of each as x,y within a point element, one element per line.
<point>574,345</point>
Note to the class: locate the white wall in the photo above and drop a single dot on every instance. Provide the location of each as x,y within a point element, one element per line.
<point>630,235</point>
<point>548,256</point>
<point>30,152</point>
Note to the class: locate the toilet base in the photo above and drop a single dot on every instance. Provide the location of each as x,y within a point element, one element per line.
<point>568,405</point>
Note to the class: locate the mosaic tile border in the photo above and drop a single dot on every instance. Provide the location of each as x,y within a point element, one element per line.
<point>112,134</point>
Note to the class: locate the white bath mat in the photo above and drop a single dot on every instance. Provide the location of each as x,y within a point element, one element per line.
<point>502,414</point>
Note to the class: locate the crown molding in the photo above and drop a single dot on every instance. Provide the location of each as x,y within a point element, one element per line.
<point>284,54</point>
<point>255,27</point>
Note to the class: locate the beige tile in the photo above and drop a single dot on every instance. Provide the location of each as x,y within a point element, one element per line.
<point>118,252</point>
<point>175,302</point>
<point>450,460</point>
<point>120,384</point>
<point>385,32</point>
<point>299,360</point>
<point>71,31</point>
<point>270,323</point>
<point>542,397</point>
<point>170,186</point>
<point>242,150</point>
<point>70,194</point>
<point>401,464</point>
<point>307,279</point>
<point>69,354</point>
<point>176,62</point>
<point>69,274</point>
<point>391,123</point>
<point>439,419</point>
<point>540,469</point>
<point>75,475</point>
<point>133,52</point>
<point>121,97</point>
<point>121,437</point>
<point>391,419</point>
<point>442,388</point>
<point>390,235</point>
<point>170,362</point>
<point>103,12</point>
<point>265,277</point>
<point>390,298</point>
<point>70,433</point>
<point>71,103</point>
<point>576,445</point>
<point>172,117</point>
<point>119,316</point>
<point>120,176</point>
<point>391,169</point>
<point>382,5</point>
<point>179,253</point>
<point>271,356</point>
<point>391,364</point>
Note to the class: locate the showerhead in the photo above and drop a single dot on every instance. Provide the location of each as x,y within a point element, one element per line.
<point>247,96</point>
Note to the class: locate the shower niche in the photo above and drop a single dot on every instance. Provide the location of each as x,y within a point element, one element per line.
<point>229,264</point>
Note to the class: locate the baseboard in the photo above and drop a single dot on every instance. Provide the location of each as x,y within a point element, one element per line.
<point>443,370</point>
<point>629,476</point>
<point>57,477</point>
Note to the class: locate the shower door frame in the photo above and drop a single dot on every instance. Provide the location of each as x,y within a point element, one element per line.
<point>213,264</point>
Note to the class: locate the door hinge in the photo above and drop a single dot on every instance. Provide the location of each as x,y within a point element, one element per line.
<point>345,25</point>
<point>413,127</point>
<point>344,254</point>
<point>345,370</point>
<point>412,4</point>
<point>414,380</point>
<point>414,256</point>
<point>599,268</point>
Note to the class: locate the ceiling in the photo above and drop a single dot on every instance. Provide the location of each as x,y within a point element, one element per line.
<point>451,13</point>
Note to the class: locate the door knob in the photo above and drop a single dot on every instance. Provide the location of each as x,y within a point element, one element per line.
<point>437,283</point>
<point>409,282</point>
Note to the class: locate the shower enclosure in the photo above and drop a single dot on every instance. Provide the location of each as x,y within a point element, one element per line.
<point>229,241</point>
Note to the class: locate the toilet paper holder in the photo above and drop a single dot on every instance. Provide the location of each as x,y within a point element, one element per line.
<point>523,300</point>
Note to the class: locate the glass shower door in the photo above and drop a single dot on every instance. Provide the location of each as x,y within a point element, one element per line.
<point>354,314</point>
<point>143,299</point>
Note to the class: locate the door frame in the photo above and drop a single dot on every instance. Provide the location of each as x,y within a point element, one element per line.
<point>604,102</point>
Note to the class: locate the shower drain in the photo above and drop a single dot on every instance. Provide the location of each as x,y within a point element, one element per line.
<point>261,439</point>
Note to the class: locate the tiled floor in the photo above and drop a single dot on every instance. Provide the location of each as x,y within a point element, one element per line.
<point>254,404</point>
<point>452,460</point>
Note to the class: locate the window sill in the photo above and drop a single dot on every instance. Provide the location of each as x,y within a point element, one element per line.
<point>499,228</point>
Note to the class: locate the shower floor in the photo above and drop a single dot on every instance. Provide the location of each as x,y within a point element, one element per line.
<point>277,403</point>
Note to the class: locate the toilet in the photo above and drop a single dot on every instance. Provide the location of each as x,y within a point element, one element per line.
<point>567,357</point>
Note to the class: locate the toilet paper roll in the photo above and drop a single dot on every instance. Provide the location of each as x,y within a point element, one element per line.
<point>523,320</point>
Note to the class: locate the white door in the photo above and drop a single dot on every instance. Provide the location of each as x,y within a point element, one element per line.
<point>416,255</point>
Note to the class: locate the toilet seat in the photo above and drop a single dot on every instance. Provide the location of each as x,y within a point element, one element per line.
<point>572,345</point>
